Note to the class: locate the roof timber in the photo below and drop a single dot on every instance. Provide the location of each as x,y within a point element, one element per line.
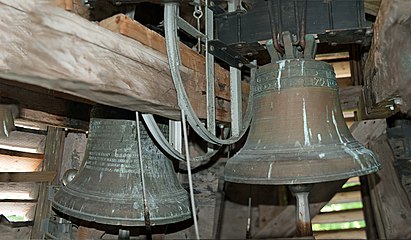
<point>57,50</point>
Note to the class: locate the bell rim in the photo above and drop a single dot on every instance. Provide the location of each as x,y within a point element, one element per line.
<point>283,180</point>
<point>117,221</point>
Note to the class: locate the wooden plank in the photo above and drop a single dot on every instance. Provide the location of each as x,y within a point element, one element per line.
<point>51,48</point>
<point>18,164</point>
<point>391,206</point>
<point>341,69</point>
<point>341,234</point>
<point>52,160</point>
<point>25,210</point>
<point>339,216</point>
<point>23,142</point>
<point>39,106</point>
<point>44,176</point>
<point>19,190</point>
<point>387,71</point>
<point>346,197</point>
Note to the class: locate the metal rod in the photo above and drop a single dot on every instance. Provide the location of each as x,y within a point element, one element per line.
<point>301,193</point>
<point>210,88</point>
<point>190,178</point>
<point>173,53</point>
<point>143,183</point>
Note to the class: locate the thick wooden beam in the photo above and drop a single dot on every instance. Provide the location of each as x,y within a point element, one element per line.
<point>49,47</point>
<point>387,71</point>
<point>52,160</point>
<point>122,24</point>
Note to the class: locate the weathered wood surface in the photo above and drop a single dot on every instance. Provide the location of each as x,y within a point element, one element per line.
<point>341,234</point>
<point>387,71</point>
<point>339,216</point>
<point>39,107</point>
<point>392,209</point>
<point>20,190</point>
<point>52,161</point>
<point>51,48</point>
<point>24,142</point>
<point>18,164</point>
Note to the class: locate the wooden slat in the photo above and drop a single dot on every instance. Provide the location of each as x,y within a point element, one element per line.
<point>346,197</point>
<point>20,209</point>
<point>332,56</point>
<point>342,69</point>
<point>341,234</point>
<point>339,216</point>
<point>45,176</point>
<point>19,190</point>
<point>23,142</point>
<point>18,164</point>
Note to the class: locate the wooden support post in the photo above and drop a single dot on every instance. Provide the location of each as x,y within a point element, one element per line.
<point>52,158</point>
<point>387,71</point>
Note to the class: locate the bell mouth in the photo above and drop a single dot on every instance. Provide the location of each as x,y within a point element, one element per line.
<point>301,165</point>
<point>121,212</point>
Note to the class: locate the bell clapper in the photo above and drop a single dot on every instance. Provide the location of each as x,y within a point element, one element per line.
<point>301,193</point>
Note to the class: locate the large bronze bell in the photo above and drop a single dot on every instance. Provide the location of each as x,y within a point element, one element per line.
<point>108,189</point>
<point>298,134</point>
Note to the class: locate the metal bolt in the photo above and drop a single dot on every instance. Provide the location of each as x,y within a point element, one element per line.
<point>358,41</point>
<point>332,33</point>
<point>211,48</point>
<point>223,48</point>
<point>398,101</point>
<point>334,44</point>
<point>240,65</point>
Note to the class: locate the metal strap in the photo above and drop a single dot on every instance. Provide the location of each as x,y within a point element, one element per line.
<point>170,25</point>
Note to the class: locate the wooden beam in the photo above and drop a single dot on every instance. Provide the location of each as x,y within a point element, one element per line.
<point>120,23</point>
<point>350,97</point>
<point>46,107</point>
<point>387,71</point>
<point>391,206</point>
<point>49,47</point>
<point>44,176</point>
<point>52,160</point>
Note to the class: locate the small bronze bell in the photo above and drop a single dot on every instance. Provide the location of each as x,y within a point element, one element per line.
<point>298,134</point>
<point>108,190</point>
